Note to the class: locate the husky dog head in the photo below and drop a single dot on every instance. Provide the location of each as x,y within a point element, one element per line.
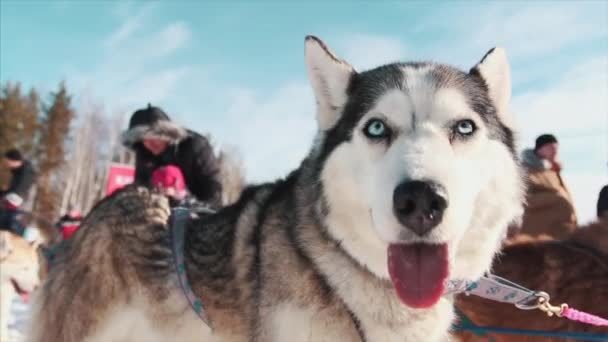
<point>419,172</point>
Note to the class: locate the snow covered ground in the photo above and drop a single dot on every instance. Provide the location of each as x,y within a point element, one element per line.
<point>18,319</point>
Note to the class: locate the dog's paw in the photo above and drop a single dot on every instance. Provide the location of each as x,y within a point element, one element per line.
<point>159,211</point>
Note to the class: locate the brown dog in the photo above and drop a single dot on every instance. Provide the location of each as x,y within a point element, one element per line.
<point>574,271</point>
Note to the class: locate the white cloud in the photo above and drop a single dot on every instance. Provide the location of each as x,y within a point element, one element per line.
<point>576,104</point>
<point>131,71</point>
<point>123,32</point>
<point>154,88</point>
<point>534,33</point>
<point>365,51</point>
<point>274,130</point>
<point>537,29</point>
<point>129,25</point>
<point>171,38</point>
<point>151,45</point>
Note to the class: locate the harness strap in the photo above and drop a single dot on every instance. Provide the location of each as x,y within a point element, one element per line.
<point>497,289</point>
<point>179,220</point>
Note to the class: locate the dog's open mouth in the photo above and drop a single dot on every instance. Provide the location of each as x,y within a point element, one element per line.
<point>25,296</point>
<point>419,272</point>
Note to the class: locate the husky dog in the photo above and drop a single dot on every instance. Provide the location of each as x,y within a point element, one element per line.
<point>412,180</point>
<point>18,274</point>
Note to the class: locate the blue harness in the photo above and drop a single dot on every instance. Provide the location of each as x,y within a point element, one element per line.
<point>179,220</point>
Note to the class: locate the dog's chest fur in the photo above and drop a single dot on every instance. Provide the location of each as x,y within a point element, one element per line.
<point>375,316</point>
<point>314,292</point>
<point>372,302</point>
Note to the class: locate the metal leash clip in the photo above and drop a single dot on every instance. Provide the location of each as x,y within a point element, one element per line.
<point>540,300</point>
<point>550,310</point>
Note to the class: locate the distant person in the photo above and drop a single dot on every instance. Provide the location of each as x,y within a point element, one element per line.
<point>549,210</point>
<point>157,142</point>
<point>602,204</point>
<point>13,197</point>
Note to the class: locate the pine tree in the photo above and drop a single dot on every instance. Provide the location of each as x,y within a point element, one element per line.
<point>11,106</point>
<point>54,133</point>
<point>29,124</point>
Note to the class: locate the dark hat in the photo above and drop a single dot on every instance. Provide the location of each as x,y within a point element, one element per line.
<point>13,154</point>
<point>151,122</point>
<point>544,139</point>
<point>147,116</point>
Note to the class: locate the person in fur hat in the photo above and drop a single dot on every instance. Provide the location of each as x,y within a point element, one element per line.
<point>157,141</point>
<point>549,209</point>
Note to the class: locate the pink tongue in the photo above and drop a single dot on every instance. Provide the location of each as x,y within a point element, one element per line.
<point>25,297</point>
<point>418,272</point>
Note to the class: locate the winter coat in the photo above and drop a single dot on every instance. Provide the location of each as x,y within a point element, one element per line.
<point>188,150</point>
<point>22,179</point>
<point>549,208</point>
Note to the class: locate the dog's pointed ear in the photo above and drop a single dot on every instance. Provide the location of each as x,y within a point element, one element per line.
<point>495,70</point>
<point>329,77</point>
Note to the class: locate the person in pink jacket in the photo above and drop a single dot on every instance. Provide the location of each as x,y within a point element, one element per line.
<point>170,181</point>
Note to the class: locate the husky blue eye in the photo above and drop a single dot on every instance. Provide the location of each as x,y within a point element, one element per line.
<point>465,127</point>
<point>375,129</point>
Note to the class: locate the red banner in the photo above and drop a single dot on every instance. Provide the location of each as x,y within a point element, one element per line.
<point>119,176</point>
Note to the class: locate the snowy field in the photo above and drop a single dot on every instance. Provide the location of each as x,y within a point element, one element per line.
<point>18,319</point>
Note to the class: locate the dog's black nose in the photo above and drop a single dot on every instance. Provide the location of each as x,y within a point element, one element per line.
<point>419,205</point>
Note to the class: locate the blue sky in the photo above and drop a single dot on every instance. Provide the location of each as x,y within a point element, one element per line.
<point>236,70</point>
